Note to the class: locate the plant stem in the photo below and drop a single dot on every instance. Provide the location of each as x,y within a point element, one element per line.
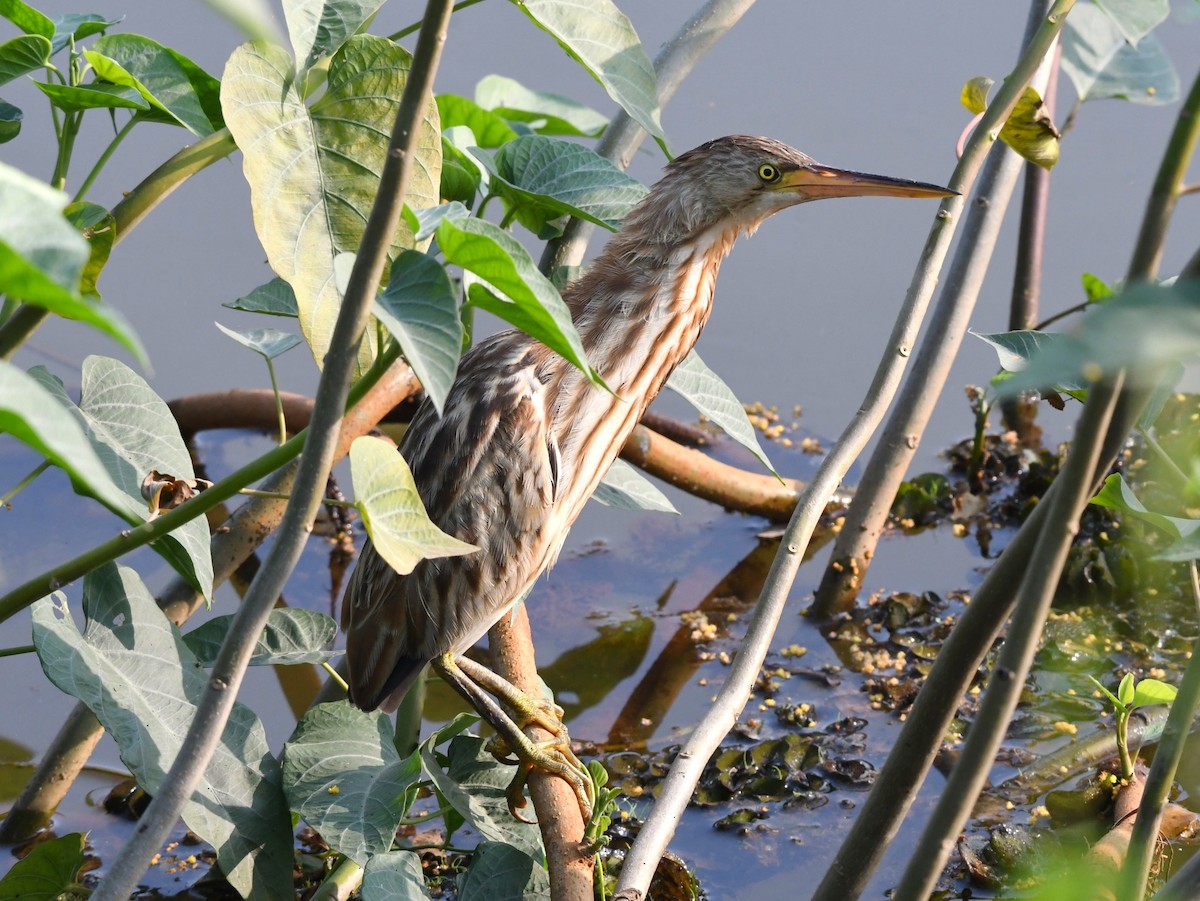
<point>1132,883</point>
<point>212,712</point>
<point>334,675</point>
<point>127,214</point>
<point>341,883</point>
<point>6,499</point>
<point>18,650</point>
<point>1073,490</point>
<point>1122,716</point>
<point>104,157</point>
<point>1147,253</point>
<point>131,539</point>
<point>900,437</point>
<point>278,401</point>
<point>66,145</point>
<point>405,32</point>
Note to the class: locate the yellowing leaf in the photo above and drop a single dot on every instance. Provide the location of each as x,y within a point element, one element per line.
<point>974,93</point>
<point>1029,129</point>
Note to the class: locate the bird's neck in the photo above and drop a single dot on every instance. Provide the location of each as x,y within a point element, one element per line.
<point>639,310</point>
<point>641,306</point>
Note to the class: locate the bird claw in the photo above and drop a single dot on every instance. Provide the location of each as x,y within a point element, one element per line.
<point>555,757</point>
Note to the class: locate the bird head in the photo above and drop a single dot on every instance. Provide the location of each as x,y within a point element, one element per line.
<point>740,180</point>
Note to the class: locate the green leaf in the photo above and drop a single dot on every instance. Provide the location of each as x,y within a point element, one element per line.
<point>1149,692</point>
<point>42,257</point>
<point>98,95</point>
<point>425,222</point>
<point>22,55</point>
<point>627,489</point>
<point>313,173</point>
<point>420,309</point>
<point>131,669</point>
<point>99,229</point>
<point>490,130</point>
<point>49,872</point>
<point>1096,289</point>
<point>392,510</point>
<point>26,18</point>
<point>319,28</point>
<point>1015,349</point>
<point>1102,65</point>
<point>546,113</point>
<point>1185,549</point>
<point>343,776</point>
<point>1143,329</point>
<point>275,298</point>
<point>529,301</point>
<point>602,39</point>
<point>704,390</point>
<point>266,341</point>
<point>545,178</point>
<point>1136,18</point>
<point>460,174</point>
<point>36,417</point>
<point>1112,698</point>
<point>394,876</point>
<point>178,90</point>
<point>500,872</point>
<point>474,783</point>
<point>78,26</point>
<point>1116,494</point>
<point>292,636</point>
<point>10,121</point>
<point>1125,690</point>
<point>132,431</point>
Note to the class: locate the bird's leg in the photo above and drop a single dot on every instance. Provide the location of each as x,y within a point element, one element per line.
<point>473,681</point>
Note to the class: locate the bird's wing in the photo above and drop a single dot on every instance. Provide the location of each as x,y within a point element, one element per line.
<point>488,473</point>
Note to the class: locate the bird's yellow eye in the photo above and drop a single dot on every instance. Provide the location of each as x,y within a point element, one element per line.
<point>769,173</point>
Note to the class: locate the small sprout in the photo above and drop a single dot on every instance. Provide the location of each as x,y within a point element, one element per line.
<point>1129,697</point>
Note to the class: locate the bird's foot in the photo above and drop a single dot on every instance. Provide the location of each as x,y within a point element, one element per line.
<point>511,744</point>
<point>554,756</point>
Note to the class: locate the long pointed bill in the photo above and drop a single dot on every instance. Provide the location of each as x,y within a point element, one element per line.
<point>816,181</point>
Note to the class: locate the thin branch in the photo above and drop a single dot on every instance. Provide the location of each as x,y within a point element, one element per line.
<point>901,436</point>
<point>701,475</point>
<point>213,709</point>
<point>1073,491</point>
<point>558,813</point>
<point>640,862</point>
<point>1132,883</point>
<point>1168,184</point>
<point>921,735</point>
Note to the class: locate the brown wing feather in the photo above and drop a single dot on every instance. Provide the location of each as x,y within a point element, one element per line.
<point>486,472</point>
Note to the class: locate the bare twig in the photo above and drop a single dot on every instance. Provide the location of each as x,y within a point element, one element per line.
<point>901,436</point>
<point>315,461</point>
<point>1073,490</point>
<point>557,809</point>
<point>920,737</point>
<point>701,475</point>
<point>1132,883</point>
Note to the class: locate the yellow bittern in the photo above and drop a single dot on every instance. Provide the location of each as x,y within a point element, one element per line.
<point>524,439</point>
